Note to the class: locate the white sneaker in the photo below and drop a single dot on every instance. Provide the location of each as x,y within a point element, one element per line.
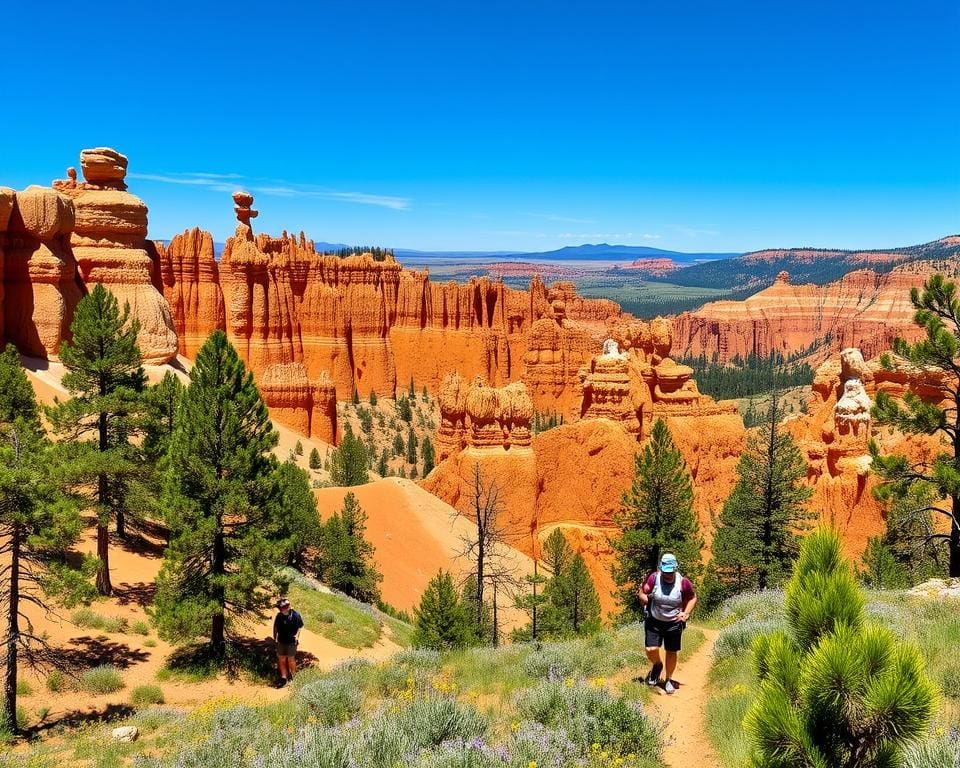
<point>669,687</point>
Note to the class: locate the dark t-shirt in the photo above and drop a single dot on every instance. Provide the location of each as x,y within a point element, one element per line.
<point>287,626</point>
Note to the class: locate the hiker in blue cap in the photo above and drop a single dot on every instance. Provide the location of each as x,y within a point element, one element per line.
<point>669,598</point>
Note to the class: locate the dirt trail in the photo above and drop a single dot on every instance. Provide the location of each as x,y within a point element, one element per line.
<point>688,743</point>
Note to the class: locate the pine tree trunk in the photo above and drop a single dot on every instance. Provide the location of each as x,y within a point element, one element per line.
<point>217,629</point>
<point>104,587</point>
<point>13,635</point>
<point>955,540</point>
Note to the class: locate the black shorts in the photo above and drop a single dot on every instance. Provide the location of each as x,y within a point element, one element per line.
<point>665,633</point>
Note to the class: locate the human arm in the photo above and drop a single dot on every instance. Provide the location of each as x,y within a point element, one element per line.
<point>689,601</point>
<point>646,589</point>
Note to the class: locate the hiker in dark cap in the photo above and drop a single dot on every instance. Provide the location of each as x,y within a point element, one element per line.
<point>286,629</point>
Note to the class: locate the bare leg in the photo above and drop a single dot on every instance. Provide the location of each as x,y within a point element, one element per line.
<point>653,654</point>
<point>282,665</point>
<point>671,664</point>
<point>292,665</point>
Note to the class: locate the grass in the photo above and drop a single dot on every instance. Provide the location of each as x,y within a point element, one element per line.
<point>24,688</point>
<point>420,709</point>
<point>198,662</point>
<point>140,628</point>
<point>89,619</point>
<point>101,680</point>
<point>144,695</point>
<point>57,681</point>
<point>353,625</point>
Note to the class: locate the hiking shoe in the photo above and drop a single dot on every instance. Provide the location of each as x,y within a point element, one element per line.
<point>653,676</point>
<point>669,687</point>
<point>281,682</point>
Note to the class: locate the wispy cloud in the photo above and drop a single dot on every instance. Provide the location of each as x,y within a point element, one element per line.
<point>558,217</point>
<point>230,182</point>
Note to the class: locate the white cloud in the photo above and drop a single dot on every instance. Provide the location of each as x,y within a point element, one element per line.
<point>218,183</point>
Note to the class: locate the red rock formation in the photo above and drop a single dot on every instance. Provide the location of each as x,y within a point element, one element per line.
<point>835,433</point>
<point>863,309</point>
<point>108,240</point>
<point>573,477</point>
<point>39,272</point>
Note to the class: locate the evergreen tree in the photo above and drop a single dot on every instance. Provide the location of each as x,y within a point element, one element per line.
<point>38,523</point>
<point>398,444</point>
<point>298,448</point>
<point>219,499</point>
<point>907,535</point>
<point>441,619</point>
<point>834,690</point>
<point>158,419</point>
<point>656,517</point>
<point>532,603</point>
<point>297,520</point>
<point>938,313</point>
<point>573,606</point>
<point>428,455</point>
<point>425,396</point>
<point>757,534</point>
<point>556,552</point>
<point>373,398</point>
<point>413,472</point>
<point>348,463</point>
<point>411,447</point>
<point>315,459</point>
<point>383,467</point>
<point>879,569</point>
<point>355,398</point>
<point>412,391</point>
<point>346,557</point>
<point>105,379</point>
<point>404,410</point>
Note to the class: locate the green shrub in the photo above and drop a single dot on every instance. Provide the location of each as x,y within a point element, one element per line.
<point>589,715</point>
<point>149,643</point>
<point>89,619</point>
<point>934,752</point>
<point>332,700</point>
<point>144,695</point>
<point>327,617</point>
<point>24,688</point>
<point>102,679</point>
<point>57,681</point>
<point>140,628</point>
<point>736,640</point>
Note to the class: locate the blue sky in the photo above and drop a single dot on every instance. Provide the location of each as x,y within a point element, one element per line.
<point>702,126</point>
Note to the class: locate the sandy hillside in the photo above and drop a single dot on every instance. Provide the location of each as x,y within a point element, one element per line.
<point>415,535</point>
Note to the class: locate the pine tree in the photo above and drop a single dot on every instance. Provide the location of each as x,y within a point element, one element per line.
<point>373,399</point>
<point>157,421</point>
<point>879,569</point>
<point>355,398</point>
<point>834,690</point>
<point>383,466</point>
<point>428,455</point>
<point>656,517</point>
<point>218,495</point>
<point>348,463</point>
<point>38,523</point>
<point>907,533</point>
<point>757,536</point>
<point>441,619</point>
<point>398,444</point>
<point>411,447</point>
<point>425,395</point>
<point>938,313</point>
<point>532,603</point>
<point>346,557</point>
<point>315,459</point>
<point>297,521</point>
<point>577,598</point>
<point>298,448</point>
<point>404,410</point>
<point>412,391</point>
<point>105,379</point>
<point>556,552</point>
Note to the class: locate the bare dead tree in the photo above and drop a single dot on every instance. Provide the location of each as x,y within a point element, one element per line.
<point>486,549</point>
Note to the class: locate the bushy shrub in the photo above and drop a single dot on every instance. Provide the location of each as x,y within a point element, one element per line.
<point>57,681</point>
<point>736,640</point>
<point>101,680</point>
<point>144,695</point>
<point>591,714</point>
<point>140,628</point>
<point>24,688</point>
<point>89,619</point>
<point>332,700</point>
<point>762,605</point>
<point>934,752</point>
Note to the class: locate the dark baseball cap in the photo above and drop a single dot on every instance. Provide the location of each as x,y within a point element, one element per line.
<point>283,603</point>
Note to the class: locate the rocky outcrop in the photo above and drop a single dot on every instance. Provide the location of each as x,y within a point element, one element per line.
<point>40,281</point>
<point>864,309</point>
<point>573,477</point>
<point>835,433</point>
<point>108,240</point>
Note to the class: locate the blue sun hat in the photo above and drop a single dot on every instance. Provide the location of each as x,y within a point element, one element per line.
<point>668,563</point>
